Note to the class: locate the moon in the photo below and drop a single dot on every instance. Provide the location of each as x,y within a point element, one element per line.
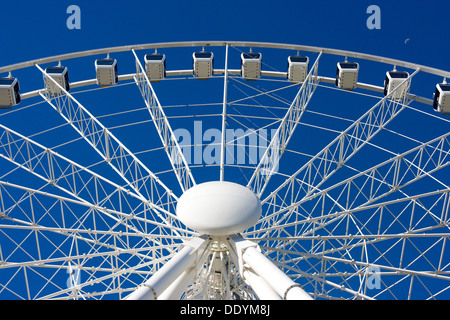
<point>406,41</point>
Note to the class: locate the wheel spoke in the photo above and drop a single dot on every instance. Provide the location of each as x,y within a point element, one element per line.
<point>113,152</point>
<point>271,158</point>
<point>331,158</point>
<point>168,138</point>
<point>372,184</point>
<point>57,234</point>
<point>319,200</point>
<point>70,177</point>
<point>224,118</point>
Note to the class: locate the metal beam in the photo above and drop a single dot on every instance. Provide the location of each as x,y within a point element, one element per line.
<point>118,216</point>
<point>224,117</point>
<point>341,53</point>
<point>72,178</point>
<point>333,156</point>
<point>439,213</point>
<point>270,160</point>
<point>184,260</point>
<point>117,155</point>
<point>165,132</point>
<point>276,74</point>
<point>281,284</point>
<point>378,182</point>
<point>252,262</point>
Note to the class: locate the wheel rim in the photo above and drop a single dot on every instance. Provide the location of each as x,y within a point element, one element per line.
<point>356,207</point>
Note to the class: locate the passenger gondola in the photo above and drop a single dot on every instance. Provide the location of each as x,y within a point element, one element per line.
<point>106,70</point>
<point>9,92</point>
<point>347,75</point>
<point>61,76</point>
<point>441,101</point>
<point>297,68</point>
<point>251,65</point>
<point>155,66</point>
<point>393,80</point>
<point>203,63</point>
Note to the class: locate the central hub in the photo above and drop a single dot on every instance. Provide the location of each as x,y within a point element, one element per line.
<point>219,208</point>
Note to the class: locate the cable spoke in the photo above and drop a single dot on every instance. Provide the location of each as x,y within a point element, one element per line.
<point>168,138</point>
<point>372,184</point>
<point>49,232</point>
<point>270,160</point>
<point>70,177</point>
<point>331,158</point>
<point>113,152</point>
<point>353,207</point>
<point>224,117</point>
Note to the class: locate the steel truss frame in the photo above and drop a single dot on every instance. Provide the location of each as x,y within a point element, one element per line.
<point>332,248</point>
<point>372,184</point>
<point>168,139</point>
<point>330,225</point>
<point>136,175</point>
<point>122,160</point>
<point>270,160</point>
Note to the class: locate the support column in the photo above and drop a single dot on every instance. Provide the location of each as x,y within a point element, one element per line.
<point>277,279</point>
<point>265,278</point>
<point>176,289</point>
<point>260,286</point>
<point>185,259</point>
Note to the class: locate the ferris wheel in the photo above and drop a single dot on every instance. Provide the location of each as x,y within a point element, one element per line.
<point>224,170</point>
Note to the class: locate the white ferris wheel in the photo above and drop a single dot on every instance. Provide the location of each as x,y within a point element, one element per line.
<point>293,172</point>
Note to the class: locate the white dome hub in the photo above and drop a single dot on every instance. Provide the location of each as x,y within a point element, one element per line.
<point>219,208</point>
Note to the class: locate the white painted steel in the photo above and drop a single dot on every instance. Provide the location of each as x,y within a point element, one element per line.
<point>270,160</point>
<point>365,86</point>
<point>401,164</point>
<point>63,106</point>
<point>280,282</point>
<point>185,259</point>
<point>219,208</point>
<point>204,270</point>
<point>177,288</point>
<point>165,132</point>
<point>342,53</point>
<point>342,147</point>
<point>262,289</point>
<point>39,160</point>
<point>224,116</point>
<point>114,151</point>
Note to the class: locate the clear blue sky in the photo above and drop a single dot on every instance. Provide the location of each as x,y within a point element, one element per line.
<point>32,29</point>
